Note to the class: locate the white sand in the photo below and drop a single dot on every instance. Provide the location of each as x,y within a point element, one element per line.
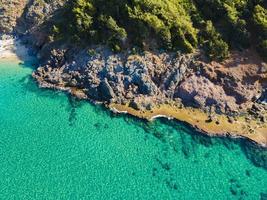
<point>11,48</point>
<point>118,111</point>
<point>160,116</point>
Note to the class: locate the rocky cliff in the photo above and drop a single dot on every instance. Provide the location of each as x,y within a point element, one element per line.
<point>118,78</point>
<point>144,80</point>
<point>10,12</point>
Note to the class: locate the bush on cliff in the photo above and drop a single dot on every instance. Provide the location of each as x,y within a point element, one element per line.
<point>213,43</point>
<point>216,25</point>
<point>260,23</point>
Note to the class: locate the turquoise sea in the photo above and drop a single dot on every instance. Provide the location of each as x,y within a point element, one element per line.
<point>55,147</point>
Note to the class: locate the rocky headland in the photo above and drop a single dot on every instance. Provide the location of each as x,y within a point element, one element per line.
<point>219,98</point>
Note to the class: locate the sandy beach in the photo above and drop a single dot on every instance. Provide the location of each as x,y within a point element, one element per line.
<point>12,49</point>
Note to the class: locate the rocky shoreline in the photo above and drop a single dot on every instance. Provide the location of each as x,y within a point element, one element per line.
<point>160,84</point>
<point>216,97</point>
<point>108,77</point>
<point>221,126</point>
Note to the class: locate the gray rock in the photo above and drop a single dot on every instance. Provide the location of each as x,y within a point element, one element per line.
<point>147,88</point>
<point>92,92</point>
<point>134,105</point>
<point>105,90</point>
<point>263,97</point>
<point>66,77</point>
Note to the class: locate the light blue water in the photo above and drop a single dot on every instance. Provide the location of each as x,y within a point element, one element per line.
<point>54,147</point>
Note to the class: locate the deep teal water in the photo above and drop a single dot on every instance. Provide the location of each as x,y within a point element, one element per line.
<point>55,147</point>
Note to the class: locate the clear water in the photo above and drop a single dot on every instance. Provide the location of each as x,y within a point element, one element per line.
<point>55,147</point>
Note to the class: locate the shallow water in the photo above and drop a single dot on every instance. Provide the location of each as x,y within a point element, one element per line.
<point>55,147</point>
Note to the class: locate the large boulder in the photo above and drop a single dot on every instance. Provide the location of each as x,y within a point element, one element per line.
<point>105,90</point>
<point>200,91</point>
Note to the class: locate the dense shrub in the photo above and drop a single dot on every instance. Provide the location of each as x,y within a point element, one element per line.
<point>213,43</point>
<point>215,25</point>
<point>260,22</point>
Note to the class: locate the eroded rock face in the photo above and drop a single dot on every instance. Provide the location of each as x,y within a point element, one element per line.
<point>156,78</point>
<point>34,25</point>
<point>118,77</point>
<point>234,85</point>
<point>201,92</point>
<point>241,77</point>
<point>10,11</point>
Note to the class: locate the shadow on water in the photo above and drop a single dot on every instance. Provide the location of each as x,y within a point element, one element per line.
<point>73,105</point>
<point>72,110</point>
<point>164,130</point>
<point>31,64</point>
<point>31,86</point>
<point>257,155</point>
<point>191,138</point>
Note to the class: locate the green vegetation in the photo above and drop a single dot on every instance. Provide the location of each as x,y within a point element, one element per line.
<point>260,22</point>
<point>213,43</point>
<point>214,25</point>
